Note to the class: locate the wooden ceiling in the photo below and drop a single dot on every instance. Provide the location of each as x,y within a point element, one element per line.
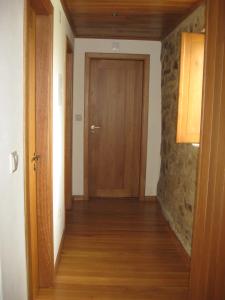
<point>126,19</point>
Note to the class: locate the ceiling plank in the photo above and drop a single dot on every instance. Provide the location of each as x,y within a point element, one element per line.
<point>68,16</point>
<point>128,19</point>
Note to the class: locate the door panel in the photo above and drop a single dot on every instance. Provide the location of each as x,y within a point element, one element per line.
<point>31,147</point>
<point>44,148</point>
<point>208,251</point>
<point>115,105</point>
<point>38,137</point>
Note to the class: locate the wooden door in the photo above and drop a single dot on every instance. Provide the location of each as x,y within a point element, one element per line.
<point>31,148</point>
<point>208,254</point>
<point>68,126</point>
<point>38,137</point>
<point>115,123</point>
<point>44,148</point>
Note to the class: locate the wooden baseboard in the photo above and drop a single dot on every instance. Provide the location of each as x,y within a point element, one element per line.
<point>145,198</point>
<point>79,198</point>
<point>59,252</point>
<point>149,199</point>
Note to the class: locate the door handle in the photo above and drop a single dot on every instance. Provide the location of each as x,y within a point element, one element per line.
<point>35,157</point>
<point>93,127</point>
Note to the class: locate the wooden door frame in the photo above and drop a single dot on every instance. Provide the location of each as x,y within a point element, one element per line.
<point>208,256</point>
<point>43,95</point>
<point>145,108</point>
<point>68,123</point>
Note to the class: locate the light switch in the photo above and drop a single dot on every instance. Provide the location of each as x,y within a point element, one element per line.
<point>115,46</point>
<point>78,117</point>
<point>13,162</point>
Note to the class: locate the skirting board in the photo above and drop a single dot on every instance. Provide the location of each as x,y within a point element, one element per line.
<point>150,198</point>
<point>78,198</point>
<point>146,198</point>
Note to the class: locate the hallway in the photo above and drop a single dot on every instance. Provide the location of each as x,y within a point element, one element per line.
<point>119,249</point>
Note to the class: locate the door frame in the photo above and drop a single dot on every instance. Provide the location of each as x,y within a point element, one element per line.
<point>208,255</point>
<point>68,125</point>
<point>145,108</point>
<point>42,230</point>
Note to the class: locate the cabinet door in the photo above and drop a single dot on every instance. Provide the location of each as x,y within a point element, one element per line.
<point>190,87</point>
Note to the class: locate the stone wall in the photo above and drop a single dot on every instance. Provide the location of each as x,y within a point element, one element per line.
<point>177,183</point>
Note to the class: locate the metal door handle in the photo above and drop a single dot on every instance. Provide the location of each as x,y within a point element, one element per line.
<point>93,127</point>
<point>35,157</point>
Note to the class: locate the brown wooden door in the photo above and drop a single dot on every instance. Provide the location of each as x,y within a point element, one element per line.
<point>115,121</point>
<point>208,254</point>
<point>38,137</point>
<point>31,149</point>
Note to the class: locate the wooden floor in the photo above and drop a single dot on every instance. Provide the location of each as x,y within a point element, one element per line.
<point>120,250</point>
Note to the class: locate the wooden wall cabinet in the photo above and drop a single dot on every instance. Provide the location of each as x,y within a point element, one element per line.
<point>190,87</point>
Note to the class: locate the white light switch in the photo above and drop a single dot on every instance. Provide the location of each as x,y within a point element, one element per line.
<point>13,162</point>
<point>115,46</point>
<point>78,117</point>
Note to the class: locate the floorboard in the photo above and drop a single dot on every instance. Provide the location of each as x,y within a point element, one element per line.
<point>119,249</point>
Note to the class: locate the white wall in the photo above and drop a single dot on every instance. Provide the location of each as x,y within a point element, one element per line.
<point>61,30</point>
<point>154,134</point>
<point>12,225</point>
<point>1,291</point>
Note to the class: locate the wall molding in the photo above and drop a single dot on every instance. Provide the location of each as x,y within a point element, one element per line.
<point>145,198</point>
<point>149,199</point>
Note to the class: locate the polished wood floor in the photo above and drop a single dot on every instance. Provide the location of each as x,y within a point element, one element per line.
<point>119,250</point>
